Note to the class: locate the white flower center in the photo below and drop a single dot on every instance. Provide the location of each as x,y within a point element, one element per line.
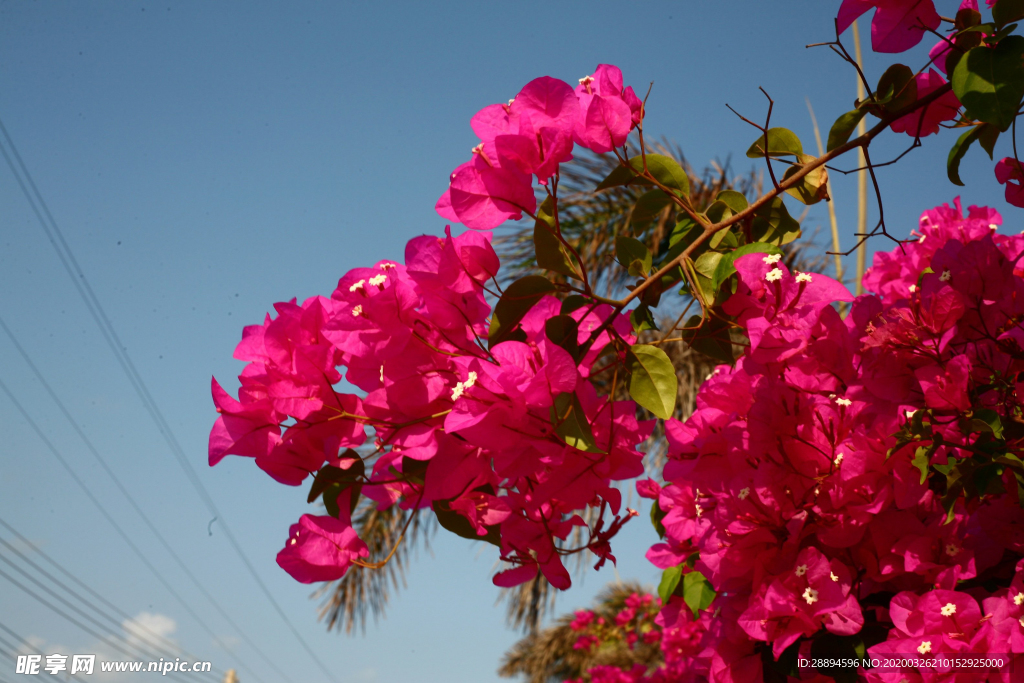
<point>470,380</point>
<point>357,285</point>
<point>810,595</point>
<point>744,492</point>
<point>844,402</point>
<point>948,610</point>
<point>773,275</point>
<point>832,575</point>
<point>377,280</point>
<point>1018,599</point>
<point>458,390</point>
<point>993,226</point>
<point>772,259</point>
<point>913,288</point>
<point>838,460</point>
<point>946,275</point>
<point>387,266</point>
<point>698,509</point>
<point>801,570</point>
<point>925,647</point>
<point>357,311</point>
<point>952,549</point>
<point>803,277</point>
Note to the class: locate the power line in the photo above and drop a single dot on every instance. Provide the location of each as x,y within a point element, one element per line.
<point>138,650</point>
<point>167,647</point>
<point>77,275</point>
<point>27,644</point>
<point>71,619</point>
<point>113,522</point>
<point>131,499</point>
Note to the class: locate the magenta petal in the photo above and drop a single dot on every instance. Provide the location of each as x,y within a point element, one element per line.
<point>896,26</point>
<point>485,198</point>
<point>513,577</point>
<point>850,10</point>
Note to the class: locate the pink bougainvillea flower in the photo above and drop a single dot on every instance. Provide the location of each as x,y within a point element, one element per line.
<point>1009,173</point>
<point>926,122</point>
<point>541,122</point>
<point>320,549</point>
<point>607,111</point>
<point>897,25</point>
<point>484,195</point>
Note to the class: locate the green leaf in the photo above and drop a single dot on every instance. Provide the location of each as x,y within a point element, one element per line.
<point>773,224</point>
<point>733,199</point>
<point>551,253</point>
<point>633,255</point>
<point>670,578</point>
<point>781,142</point>
<point>642,319</point>
<point>563,331</point>
<point>897,88</point>
<point>652,381</point>
<point>987,420</point>
<point>657,514</point>
<point>648,207</point>
<point>711,338</point>
<point>460,526</point>
<point>727,266</point>
<point>1006,11</point>
<point>990,81</point>
<point>335,475</point>
<point>697,592</point>
<point>843,128</point>
<point>957,152</point>
<point>665,169</point>
<point>718,211</point>
<point>989,135</point>
<point>813,187</point>
<point>518,299</point>
<point>571,423</point>
<point>922,459</point>
<point>706,263</point>
<point>332,492</point>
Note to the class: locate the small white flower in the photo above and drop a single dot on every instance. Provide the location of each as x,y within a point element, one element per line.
<point>911,413</point>
<point>294,541</point>
<point>458,390</point>
<point>952,549</point>
<point>803,277</point>
<point>913,288</point>
<point>773,275</point>
<point>1018,599</point>
<point>378,280</point>
<point>993,226</point>
<point>470,380</point>
<point>801,570</point>
<point>772,259</point>
<point>357,285</point>
<point>832,575</point>
<point>381,373</point>
<point>387,265</point>
<point>845,402</point>
<point>838,460</point>
<point>946,275</point>
<point>699,510</point>
<point>925,647</point>
<point>810,595</point>
<point>586,80</point>
<point>357,311</point>
<point>744,492</point>
<point>479,149</point>
<point>948,610</point>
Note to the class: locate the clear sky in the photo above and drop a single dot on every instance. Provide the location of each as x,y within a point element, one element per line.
<point>205,160</point>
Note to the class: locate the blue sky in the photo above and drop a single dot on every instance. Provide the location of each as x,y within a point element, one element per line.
<point>205,160</point>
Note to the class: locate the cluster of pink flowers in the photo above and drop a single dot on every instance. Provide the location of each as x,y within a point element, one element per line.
<point>532,135</point>
<point>452,421</point>
<point>804,487</point>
